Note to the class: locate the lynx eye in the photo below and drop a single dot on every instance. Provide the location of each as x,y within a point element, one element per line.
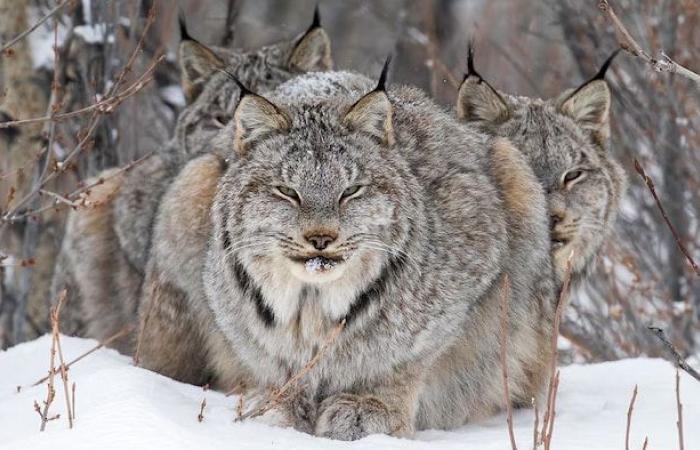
<point>351,191</point>
<point>571,176</point>
<point>288,192</point>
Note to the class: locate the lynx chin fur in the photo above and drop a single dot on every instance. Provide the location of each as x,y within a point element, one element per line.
<point>372,207</point>
<point>105,249</point>
<point>566,141</point>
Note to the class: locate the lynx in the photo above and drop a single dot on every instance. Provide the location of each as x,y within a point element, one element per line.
<point>105,249</point>
<point>371,208</point>
<point>566,141</point>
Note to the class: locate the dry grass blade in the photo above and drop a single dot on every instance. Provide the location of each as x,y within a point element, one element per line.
<point>505,293</point>
<point>629,418</point>
<point>277,395</point>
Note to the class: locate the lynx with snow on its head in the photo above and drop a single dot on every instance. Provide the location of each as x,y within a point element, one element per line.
<point>566,140</point>
<point>379,210</point>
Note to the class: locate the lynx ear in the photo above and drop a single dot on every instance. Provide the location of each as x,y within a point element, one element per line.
<point>312,52</point>
<point>589,105</point>
<point>372,114</point>
<point>477,100</point>
<point>197,64</point>
<point>256,118</point>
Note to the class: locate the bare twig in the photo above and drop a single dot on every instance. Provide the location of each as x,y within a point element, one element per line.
<point>679,407</point>
<point>677,357</point>
<point>505,293</point>
<point>240,406</point>
<point>628,43</point>
<point>51,392</point>
<point>121,333</point>
<point>650,184</point>
<point>200,416</point>
<point>73,400</point>
<point>41,21</point>
<point>278,394</point>
<point>547,426</point>
<point>55,317</point>
<point>537,424</point>
<point>646,443</point>
<point>629,418</point>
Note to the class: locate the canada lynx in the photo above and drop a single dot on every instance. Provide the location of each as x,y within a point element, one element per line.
<point>566,141</point>
<point>107,247</point>
<point>370,208</point>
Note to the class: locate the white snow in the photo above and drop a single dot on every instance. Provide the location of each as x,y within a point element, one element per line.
<point>94,34</point>
<point>120,406</point>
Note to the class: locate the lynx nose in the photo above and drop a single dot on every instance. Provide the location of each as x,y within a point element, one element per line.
<point>555,218</point>
<point>320,242</point>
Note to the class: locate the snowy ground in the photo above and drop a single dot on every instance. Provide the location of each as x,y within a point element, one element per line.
<point>123,407</point>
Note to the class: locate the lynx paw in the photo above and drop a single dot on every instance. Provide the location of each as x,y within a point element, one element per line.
<point>348,417</point>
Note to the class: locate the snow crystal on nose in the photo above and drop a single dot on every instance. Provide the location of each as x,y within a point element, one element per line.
<point>319,264</point>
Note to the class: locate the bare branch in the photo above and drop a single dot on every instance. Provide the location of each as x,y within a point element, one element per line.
<point>629,418</point>
<point>679,407</point>
<point>55,317</point>
<point>505,293</point>
<point>650,184</point>
<point>677,357</point>
<point>628,43</point>
<point>41,21</point>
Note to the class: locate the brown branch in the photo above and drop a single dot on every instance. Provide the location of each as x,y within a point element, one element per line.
<point>277,395</point>
<point>537,424</point>
<point>51,392</point>
<point>55,317</point>
<point>29,30</point>
<point>200,416</point>
<point>73,400</point>
<point>646,443</point>
<point>547,427</point>
<point>629,44</point>
<point>650,184</point>
<point>121,333</point>
<point>679,407</point>
<point>505,293</point>
<point>677,357</point>
<point>629,418</point>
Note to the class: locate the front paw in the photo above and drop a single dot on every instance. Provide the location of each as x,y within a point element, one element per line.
<point>348,417</point>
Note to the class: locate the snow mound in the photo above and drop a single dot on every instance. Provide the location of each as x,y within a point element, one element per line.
<point>119,406</point>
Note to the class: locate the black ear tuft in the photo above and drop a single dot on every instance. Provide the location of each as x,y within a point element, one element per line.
<point>316,23</point>
<point>184,35</point>
<point>244,90</point>
<point>606,65</point>
<point>381,84</point>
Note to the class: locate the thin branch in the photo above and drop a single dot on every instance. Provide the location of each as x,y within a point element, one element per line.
<point>505,293</point>
<point>200,416</point>
<point>278,394</point>
<point>537,424</point>
<point>650,184</point>
<point>121,333</point>
<point>677,357</point>
<point>646,443</point>
<point>41,21</point>
<point>55,317</point>
<point>629,418</point>
<point>679,407</point>
<point>628,43</point>
<point>547,426</point>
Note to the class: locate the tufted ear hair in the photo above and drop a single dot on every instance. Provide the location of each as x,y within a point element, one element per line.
<point>197,63</point>
<point>477,100</point>
<point>372,113</point>
<point>589,105</point>
<point>255,118</point>
<point>312,52</point>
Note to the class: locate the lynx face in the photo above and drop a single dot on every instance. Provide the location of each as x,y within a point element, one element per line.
<point>318,188</point>
<point>566,142</point>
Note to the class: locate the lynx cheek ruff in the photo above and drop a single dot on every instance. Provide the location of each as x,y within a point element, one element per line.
<point>319,264</point>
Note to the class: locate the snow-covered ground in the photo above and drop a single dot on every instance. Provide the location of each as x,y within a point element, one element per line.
<point>119,406</point>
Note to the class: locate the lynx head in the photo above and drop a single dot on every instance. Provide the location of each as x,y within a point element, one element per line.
<point>210,93</point>
<point>317,187</point>
<point>260,70</point>
<point>566,142</point>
